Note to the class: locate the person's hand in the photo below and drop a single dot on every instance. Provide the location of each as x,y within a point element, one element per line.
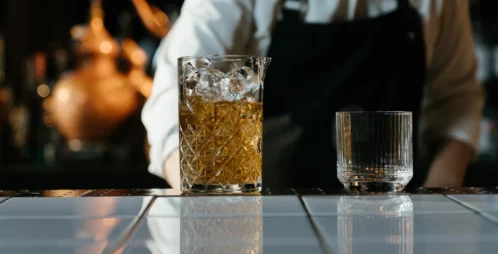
<point>449,167</point>
<point>172,170</point>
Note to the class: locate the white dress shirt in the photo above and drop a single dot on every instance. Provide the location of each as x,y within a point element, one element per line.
<point>453,98</point>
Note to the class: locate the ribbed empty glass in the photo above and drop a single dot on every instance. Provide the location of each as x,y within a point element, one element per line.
<point>374,150</point>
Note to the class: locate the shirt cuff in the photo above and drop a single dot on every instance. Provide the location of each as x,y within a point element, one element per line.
<point>160,152</point>
<point>466,131</point>
<point>468,136</point>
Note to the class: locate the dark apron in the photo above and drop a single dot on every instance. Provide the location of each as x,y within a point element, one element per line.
<point>319,69</point>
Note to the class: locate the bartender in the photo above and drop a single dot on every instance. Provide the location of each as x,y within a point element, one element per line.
<point>328,56</point>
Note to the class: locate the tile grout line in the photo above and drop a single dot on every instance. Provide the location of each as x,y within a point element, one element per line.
<point>476,211</point>
<point>128,231</point>
<point>320,237</point>
<point>85,193</point>
<point>3,201</point>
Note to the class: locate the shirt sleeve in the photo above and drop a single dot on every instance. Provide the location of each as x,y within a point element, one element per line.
<point>205,27</point>
<point>453,98</point>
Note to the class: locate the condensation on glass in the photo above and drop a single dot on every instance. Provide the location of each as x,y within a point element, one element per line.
<point>374,150</point>
<point>221,123</point>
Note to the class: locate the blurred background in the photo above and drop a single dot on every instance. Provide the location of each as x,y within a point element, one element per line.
<point>74,75</point>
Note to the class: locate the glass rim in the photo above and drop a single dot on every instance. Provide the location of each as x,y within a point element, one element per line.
<point>374,113</point>
<point>224,57</point>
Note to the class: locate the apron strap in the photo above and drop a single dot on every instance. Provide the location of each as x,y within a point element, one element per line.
<point>403,4</point>
<point>294,10</point>
<point>298,8</point>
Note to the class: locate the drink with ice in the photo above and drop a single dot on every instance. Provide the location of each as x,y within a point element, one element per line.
<point>221,123</point>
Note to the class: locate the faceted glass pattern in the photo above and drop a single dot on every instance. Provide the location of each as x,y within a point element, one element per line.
<point>231,233</point>
<point>374,150</point>
<point>221,123</point>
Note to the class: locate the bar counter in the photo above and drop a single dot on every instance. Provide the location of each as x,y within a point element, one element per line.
<point>308,221</point>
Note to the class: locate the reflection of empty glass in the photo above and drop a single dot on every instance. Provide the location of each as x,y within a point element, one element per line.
<point>222,225</point>
<point>374,150</point>
<point>221,114</point>
<point>364,219</point>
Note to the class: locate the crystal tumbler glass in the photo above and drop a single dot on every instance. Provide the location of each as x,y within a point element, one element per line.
<point>221,123</point>
<point>374,150</point>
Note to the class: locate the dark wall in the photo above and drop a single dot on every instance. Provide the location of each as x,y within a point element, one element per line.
<point>36,24</point>
<point>31,25</point>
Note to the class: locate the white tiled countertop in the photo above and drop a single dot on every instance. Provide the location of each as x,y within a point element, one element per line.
<point>148,222</point>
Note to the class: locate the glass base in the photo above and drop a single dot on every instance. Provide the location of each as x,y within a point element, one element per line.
<point>221,189</point>
<point>384,187</point>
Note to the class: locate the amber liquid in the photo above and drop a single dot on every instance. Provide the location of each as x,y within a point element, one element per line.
<point>220,145</point>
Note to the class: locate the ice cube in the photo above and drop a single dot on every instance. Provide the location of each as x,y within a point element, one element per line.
<point>193,64</point>
<point>225,84</point>
<point>204,91</point>
<point>209,83</point>
<point>188,68</point>
<point>193,69</point>
<point>211,77</point>
<point>213,84</point>
<point>234,90</point>
<point>250,98</point>
<point>202,63</point>
<point>194,77</point>
<point>248,80</point>
<point>188,92</point>
<point>228,90</point>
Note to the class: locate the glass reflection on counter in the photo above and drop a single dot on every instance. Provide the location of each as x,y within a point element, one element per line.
<point>225,224</point>
<point>362,216</point>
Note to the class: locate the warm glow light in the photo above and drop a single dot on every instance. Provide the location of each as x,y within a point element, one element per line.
<point>161,17</point>
<point>105,47</point>
<point>135,76</point>
<point>97,23</point>
<point>77,32</point>
<point>5,96</point>
<point>138,57</point>
<point>43,90</point>
<point>75,145</point>
<point>47,120</point>
<point>63,95</point>
<point>46,104</point>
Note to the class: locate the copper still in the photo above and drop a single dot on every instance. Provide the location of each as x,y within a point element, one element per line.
<point>158,23</point>
<point>153,18</point>
<point>89,103</point>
